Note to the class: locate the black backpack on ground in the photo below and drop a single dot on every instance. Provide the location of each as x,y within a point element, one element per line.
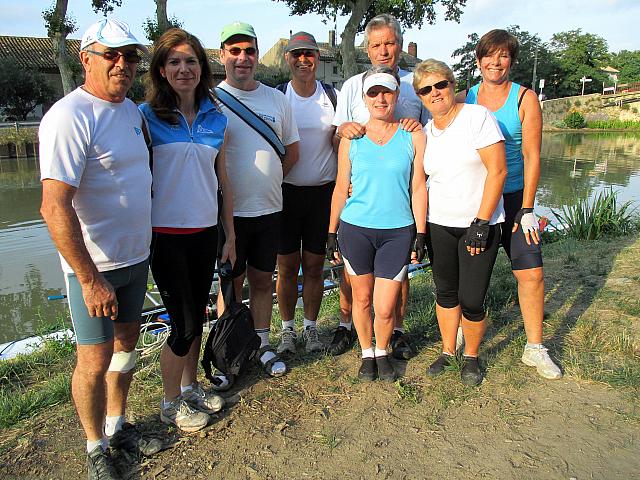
<point>328,89</point>
<point>233,341</point>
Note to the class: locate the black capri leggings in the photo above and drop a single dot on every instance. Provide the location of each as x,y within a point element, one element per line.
<point>462,279</point>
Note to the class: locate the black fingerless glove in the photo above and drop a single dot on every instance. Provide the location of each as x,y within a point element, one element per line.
<point>518,218</point>
<point>332,245</point>
<point>477,234</point>
<point>419,246</point>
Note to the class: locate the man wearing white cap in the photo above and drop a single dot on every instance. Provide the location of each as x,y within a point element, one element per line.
<point>96,201</point>
<point>383,38</point>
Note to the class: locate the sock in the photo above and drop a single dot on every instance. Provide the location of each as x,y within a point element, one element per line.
<point>380,353</point>
<point>367,353</point>
<point>276,367</point>
<point>533,346</point>
<point>308,323</point>
<point>447,354</point>
<point>346,325</point>
<point>166,403</point>
<point>113,424</point>
<point>398,329</point>
<point>92,444</point>
<point>289,324</point>
<point>186,388</point>
<point>263,333</point>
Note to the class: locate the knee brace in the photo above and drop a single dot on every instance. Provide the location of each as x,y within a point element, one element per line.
<point>123,362</point>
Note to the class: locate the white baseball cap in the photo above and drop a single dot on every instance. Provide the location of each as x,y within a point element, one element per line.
<point>380,79</point>
<point>110,33</point>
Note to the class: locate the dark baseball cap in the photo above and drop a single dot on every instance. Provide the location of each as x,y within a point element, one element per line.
<point>301,40</point>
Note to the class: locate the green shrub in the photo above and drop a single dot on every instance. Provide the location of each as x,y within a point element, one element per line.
<point>574,120</point>
<point>590,221</point>
<point>577,103</point>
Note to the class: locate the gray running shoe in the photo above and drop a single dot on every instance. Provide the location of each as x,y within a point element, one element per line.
<point>311,340</point>
<point>100,465</point>
<point>539,358</point>
<point>288,339</point>
<point>183,416</point>
<point>203,401</point>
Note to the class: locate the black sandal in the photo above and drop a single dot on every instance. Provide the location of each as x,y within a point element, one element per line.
<point>269,363</point>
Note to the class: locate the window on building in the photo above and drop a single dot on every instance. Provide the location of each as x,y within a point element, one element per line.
<point>335,70</point>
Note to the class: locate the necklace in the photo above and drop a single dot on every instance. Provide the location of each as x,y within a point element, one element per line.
<point>455,115</point>
<point>380,140</point>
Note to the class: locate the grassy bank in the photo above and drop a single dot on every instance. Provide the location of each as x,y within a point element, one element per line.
<point>591,328</point>
<point>23,135</point>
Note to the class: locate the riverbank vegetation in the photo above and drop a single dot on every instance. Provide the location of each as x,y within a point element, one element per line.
<point>21,136</point>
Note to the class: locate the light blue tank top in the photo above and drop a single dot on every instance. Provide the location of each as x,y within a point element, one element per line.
<point>509,121</point>
<point>380,176</point>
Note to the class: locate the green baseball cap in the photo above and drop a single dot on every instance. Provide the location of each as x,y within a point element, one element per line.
<point>237,28</point>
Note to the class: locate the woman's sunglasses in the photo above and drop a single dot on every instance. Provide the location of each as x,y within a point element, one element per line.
<point>235,51</point>
<point>426,90</point>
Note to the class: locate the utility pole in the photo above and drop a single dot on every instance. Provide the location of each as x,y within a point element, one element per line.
<point>535,68</point>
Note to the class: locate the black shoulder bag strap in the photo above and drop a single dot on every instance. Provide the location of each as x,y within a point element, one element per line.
<point>522,96</point>
<point>251,119</point>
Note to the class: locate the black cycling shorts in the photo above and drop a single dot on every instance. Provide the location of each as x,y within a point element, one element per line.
<point>256,242</point>
<point>522,256</point>
<point>305,218</point>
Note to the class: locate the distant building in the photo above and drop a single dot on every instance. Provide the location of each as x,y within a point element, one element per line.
<point>330,66</point>
<point>37,53</point>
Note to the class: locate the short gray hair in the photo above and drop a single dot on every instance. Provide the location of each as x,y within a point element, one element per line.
<point>381,21</point>
<point>429,67</point>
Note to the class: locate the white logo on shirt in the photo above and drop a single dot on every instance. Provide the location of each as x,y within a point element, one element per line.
<point>201,129</point>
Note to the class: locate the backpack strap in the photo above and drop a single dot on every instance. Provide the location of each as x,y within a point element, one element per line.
<point>147,140</point>
<point>251,119</point>
<point>521,97</point>
<point>331,93</point>
<point>282,87</point>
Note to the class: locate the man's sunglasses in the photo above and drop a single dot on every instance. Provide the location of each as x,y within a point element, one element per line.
<point>302,53</point>
<point>441,85</point>
<point>114,55</point>
<point>235,51</point>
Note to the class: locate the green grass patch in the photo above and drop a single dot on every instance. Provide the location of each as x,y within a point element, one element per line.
<point>614,124</point>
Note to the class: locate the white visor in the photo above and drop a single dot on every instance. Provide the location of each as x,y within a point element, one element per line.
<point>380,79</point>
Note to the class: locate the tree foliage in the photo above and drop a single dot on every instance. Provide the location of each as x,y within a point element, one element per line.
<point>21,90</point>
<point>155,27</point>
<point>628,62</point>
<point>410,13</point>
<point>466,69</point>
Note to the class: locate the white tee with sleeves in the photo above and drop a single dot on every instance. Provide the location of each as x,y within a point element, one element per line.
<point>351,106</point>
<point>253,167</point>
<point>99,148</point>
<point>456,174</point>
<point>318,163</point>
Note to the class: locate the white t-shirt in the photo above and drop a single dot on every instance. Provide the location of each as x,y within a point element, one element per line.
<point>456,172</point>
<point>351,106</point>
<point>253,167</point>
<point>318,163</point>
<point>98,147</point>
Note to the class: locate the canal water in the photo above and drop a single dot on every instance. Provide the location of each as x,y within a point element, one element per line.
<point>574,166</point>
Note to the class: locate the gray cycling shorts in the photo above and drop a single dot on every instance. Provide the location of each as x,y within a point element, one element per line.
<point>129,283</point>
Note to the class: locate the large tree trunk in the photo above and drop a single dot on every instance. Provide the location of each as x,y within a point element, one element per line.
<point>347,47</point>
<point>161,16</point>
<point>59,43</point>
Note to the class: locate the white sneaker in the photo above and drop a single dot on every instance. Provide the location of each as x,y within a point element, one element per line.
<point>288,339</point>
<point>203,401</point>
<point>459,339</point>
<point>180,414</point>
<point>312,342</point>
<point>539,358</point>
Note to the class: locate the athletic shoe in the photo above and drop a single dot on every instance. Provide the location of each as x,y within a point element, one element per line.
<point>368,370</point>
<point>539,358</point>
<point>100,465</point>
<point>183,416</point>
<point>203,401</point>
<point>131,441</point>
<point>437,367</point>
<point>402,349</point>
<point>459,340</point>
<point>343,340</point>
<point>470,373</point>
<point>386,373</point>
<point>312,342</point>
<point>288,339</point>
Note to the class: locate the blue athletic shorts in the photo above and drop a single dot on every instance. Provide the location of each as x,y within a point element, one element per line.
<point>129,283</point>
<point>383,252</point>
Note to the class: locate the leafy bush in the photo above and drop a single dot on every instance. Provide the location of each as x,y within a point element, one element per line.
<point>574,120</point>
<point>590,221</point>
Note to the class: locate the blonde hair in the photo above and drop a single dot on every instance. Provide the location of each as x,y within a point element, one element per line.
<point>429,67</point>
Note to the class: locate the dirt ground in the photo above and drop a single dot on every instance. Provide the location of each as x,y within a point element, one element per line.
<point>319,422</point>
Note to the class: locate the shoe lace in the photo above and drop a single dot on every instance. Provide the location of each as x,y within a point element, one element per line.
<point>103,466</point>
<point>312,334</point>
<point>287,335</point>
<point>185,408</point>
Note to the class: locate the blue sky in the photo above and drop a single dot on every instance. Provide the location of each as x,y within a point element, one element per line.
<point>614,20</point>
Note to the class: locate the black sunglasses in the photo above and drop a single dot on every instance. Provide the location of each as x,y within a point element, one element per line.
<point>114,56</point>
<point>441,85</point>
<point>235,51</point>
<point>302,53</point>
